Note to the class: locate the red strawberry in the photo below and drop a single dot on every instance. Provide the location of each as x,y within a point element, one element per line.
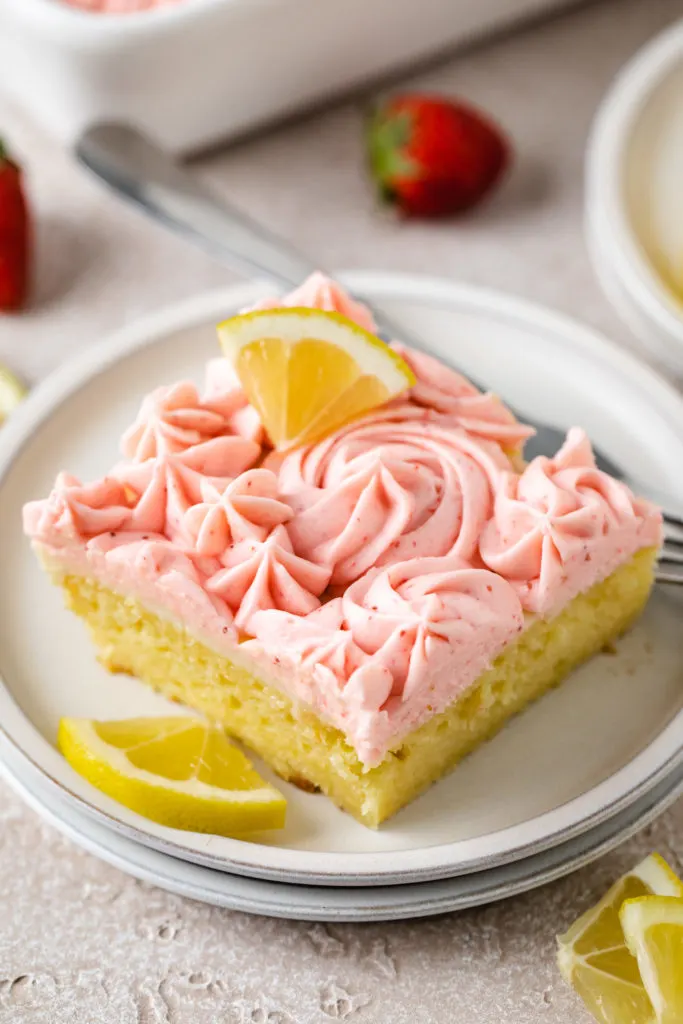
<point>433,157</point>
<point>15,236</point>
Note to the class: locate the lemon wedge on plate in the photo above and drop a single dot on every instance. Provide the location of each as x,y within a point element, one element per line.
<point>12,392</point>
<point>307,371</point>
<point>179,772</point>
<point>653,926</point>
<point>594,957</point>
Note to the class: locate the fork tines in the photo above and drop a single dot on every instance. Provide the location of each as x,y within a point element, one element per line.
<point>670,563</point>
<point>673,522</point>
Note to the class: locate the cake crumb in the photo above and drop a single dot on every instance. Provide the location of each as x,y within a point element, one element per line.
<point>303,784</point>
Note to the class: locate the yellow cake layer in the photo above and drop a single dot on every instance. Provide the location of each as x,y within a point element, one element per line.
<point>302,748</point>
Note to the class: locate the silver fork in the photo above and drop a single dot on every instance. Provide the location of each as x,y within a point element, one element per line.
<point>670,563</point>
<point>144,174</point>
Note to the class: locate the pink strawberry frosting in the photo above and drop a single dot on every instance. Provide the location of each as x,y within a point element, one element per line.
<point>319,292</point>
<point>374,575</point>
<point>267,574</point>
<point>384,490</point>
<point>445,391</point>
<point>222,390</point>
<point>563,525</point>
<point>173,419</point>
<point>246,509</point>
<point>401,644</point>
<point>75,510</point>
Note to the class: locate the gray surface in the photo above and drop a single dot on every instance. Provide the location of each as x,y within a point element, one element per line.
<point>79,942</point>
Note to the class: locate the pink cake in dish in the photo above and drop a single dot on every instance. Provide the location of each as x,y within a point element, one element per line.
<point>362,611</point>
<point>118,6</point>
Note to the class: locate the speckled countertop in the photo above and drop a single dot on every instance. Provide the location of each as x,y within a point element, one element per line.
<point>81,943</point>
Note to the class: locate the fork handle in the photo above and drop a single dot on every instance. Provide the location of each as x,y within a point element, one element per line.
<point>143,173</point>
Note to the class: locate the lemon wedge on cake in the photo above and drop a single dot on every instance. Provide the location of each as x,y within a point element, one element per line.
<point>308,371</point>
<point>653,926</point>
<point>595,957</point>
<point>179,772</point>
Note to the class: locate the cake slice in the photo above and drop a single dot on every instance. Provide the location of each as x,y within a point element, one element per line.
<point>361,611</point>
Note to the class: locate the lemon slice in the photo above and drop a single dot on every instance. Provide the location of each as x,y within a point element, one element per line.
<point>12,391</point>
<point>180,772</point>
<point>594,958</point>
<point>307,372</point>
<point>653,926</point>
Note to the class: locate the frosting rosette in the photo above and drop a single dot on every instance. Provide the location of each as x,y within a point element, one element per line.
<point>320,292</point>
<point>257,575</point>
<point>386,489</point>
<point>179,448</point>
<point>563,525</point>
<point>174,419</point>
<point>421,615</point>
<point>317,644</point>
<point>170,420</point>
<point>74,510</point>
<point>441,389</point>
<point>395,629</point>
<point>164,489</point>
<point>223,392</point>
<point>248,508</point>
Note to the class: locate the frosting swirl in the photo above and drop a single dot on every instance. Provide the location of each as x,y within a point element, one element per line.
<point>563,525</point>
<point>259,575</point>
<point>164,490</point>
<point>75,510</point>
<point>174,419</point>
<point>382,490</point>
<point>318,644</point>
<point>223,391</point>
<point>443,390</point>
<point>419,614</point>
<point>171,419</point>
<point>320,292</point>
<point>248,508</point>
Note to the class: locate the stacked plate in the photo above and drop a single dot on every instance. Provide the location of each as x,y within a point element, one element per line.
<point>573,776</point>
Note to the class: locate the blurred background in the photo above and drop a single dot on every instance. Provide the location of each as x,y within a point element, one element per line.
<point>100,264</point>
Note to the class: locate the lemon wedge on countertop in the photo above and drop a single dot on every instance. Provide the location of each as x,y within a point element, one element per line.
<point>307,371</point>
<point>180,772</point>
<point>12,392</point>
<point>653,926</point>
<point>593,955</point>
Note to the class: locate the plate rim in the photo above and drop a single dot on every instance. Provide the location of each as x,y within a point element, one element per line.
<point>421,863</point>
<point>418,899</point>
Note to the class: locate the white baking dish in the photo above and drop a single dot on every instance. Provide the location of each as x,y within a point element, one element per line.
<point>205,70</point>
<point>634,196</point>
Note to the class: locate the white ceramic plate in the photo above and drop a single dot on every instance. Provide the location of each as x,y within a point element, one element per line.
<point>320,903</point>
<point>583,753</point>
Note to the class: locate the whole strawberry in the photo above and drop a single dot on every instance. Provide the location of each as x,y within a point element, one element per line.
<point>433,157</point>
<point>15,236</point>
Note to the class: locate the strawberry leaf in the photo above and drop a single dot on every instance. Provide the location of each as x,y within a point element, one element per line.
<point>389,136</point>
